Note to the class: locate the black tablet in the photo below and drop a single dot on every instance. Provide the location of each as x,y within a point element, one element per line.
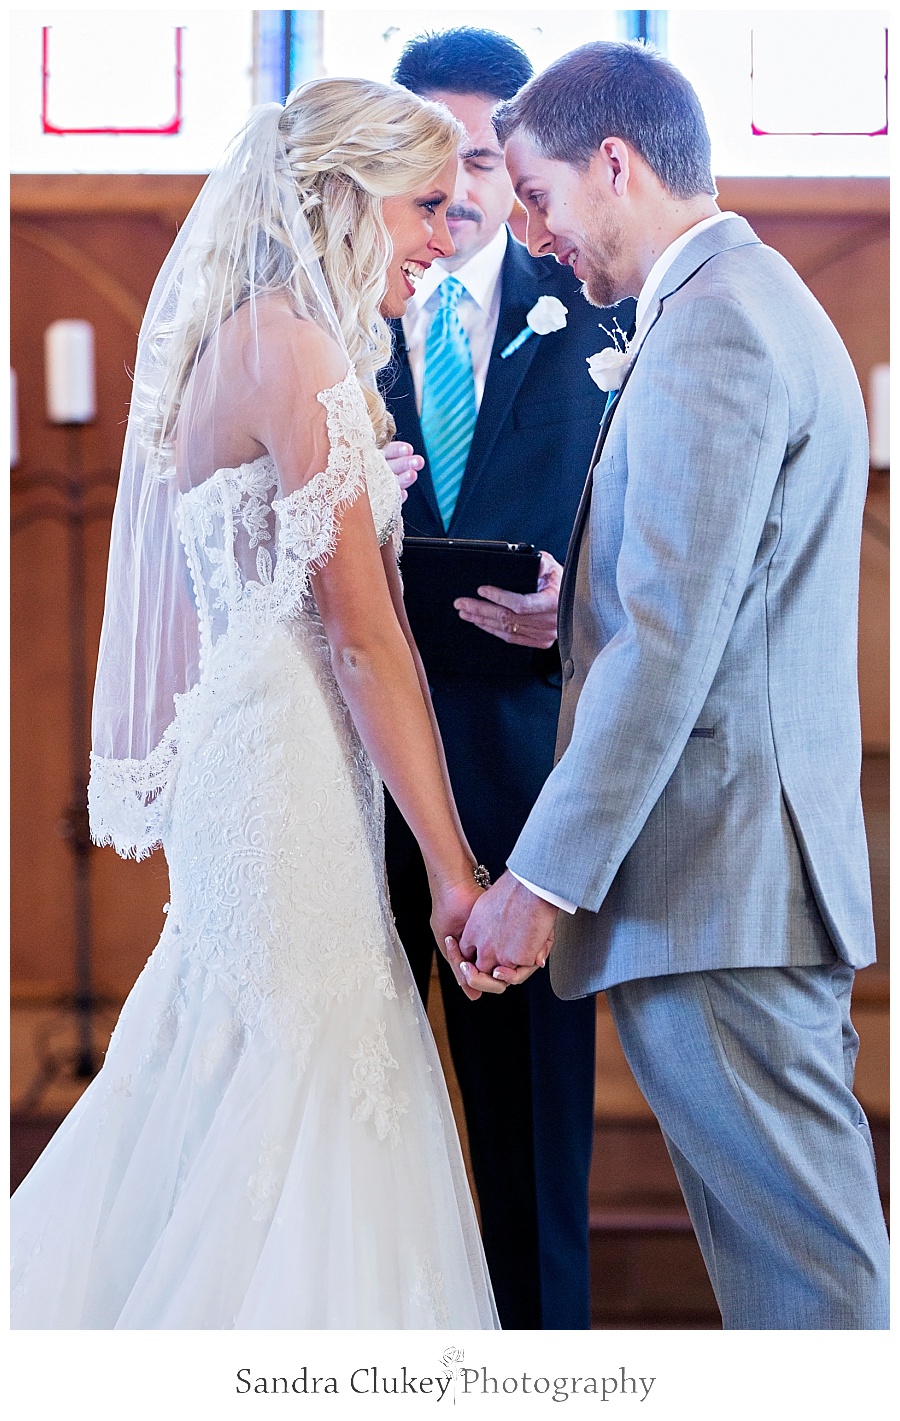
<point>436,571</point>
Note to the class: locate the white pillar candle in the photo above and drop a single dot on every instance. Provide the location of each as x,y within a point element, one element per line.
<point>69,370</point>
<point>13,419</point>
<point>879,412</point>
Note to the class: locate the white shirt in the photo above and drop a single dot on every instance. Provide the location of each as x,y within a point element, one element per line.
<point>479,311</point>
<point>646,309</point>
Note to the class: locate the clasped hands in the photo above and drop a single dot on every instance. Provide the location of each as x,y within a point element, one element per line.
<point>497,939</point>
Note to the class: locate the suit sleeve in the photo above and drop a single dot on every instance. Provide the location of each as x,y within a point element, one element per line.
<point>706,416</point>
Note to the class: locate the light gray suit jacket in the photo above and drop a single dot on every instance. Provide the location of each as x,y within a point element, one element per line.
<point>704,810</point>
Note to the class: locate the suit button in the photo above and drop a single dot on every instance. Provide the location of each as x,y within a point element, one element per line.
<point>568,669</point>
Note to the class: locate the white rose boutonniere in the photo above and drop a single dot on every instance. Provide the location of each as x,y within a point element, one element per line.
<point>546,315</point>
<point>607,368</point>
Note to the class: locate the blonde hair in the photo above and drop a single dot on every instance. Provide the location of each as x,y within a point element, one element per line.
<point>350,143</point>
<point>344,145</point>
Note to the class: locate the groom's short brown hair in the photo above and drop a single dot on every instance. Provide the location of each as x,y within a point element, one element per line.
<point>616,90</point>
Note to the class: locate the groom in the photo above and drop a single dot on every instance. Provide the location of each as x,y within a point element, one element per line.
<point>702,828</point>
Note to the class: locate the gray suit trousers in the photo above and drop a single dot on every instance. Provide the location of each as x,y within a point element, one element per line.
<point>749,1072</point>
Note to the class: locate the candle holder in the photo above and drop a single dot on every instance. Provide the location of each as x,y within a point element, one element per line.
<point>67,505</point>
<point>878,415</point>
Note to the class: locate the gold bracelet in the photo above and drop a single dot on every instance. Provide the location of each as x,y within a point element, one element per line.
<point>481,876</point>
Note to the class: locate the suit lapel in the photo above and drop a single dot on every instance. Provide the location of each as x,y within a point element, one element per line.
<point>567,586</point>
<point>521,284</point>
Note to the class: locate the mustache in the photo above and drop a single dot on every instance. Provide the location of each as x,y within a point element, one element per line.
<point>457,212</point>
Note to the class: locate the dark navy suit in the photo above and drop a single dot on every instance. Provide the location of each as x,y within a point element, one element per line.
<point>524,1060</point>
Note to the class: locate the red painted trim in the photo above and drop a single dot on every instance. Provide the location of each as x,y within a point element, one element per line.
<point>165,129</point>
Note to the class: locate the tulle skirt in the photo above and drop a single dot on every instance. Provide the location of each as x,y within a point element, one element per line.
<point>215,1186</point>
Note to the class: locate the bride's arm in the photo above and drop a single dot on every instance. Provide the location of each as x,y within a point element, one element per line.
<point>395,587</point>
<point>382,681</point>
<point>375,667</point>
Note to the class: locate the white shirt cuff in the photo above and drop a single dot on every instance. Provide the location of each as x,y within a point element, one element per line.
<point>545,893</point>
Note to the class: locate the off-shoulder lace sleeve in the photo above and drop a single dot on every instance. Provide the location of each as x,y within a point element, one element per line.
<point>308,518</point>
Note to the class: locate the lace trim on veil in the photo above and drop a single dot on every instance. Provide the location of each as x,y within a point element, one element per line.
<point>125,798</point>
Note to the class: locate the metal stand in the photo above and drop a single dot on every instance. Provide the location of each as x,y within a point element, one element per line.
<point>82,1061</point>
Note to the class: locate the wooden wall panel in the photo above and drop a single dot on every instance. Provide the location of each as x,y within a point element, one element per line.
<point>78,249</point>
<point>90,247</point>
<point>874,618</point>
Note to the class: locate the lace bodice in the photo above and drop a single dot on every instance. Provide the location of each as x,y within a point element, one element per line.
<point>250,553</point>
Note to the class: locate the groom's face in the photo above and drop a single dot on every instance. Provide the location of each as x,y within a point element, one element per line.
<point>571,217</point>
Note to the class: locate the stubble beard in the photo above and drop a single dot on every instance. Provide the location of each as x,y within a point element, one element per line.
<point>598,253</point>
<point>598,287</point>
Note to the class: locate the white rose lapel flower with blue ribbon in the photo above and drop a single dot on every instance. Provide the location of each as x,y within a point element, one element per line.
<point>546,315</point>
<point>607,368</point>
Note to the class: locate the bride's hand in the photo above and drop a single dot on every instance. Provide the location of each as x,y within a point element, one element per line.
<point>403,463</point>
<point>451,906</point>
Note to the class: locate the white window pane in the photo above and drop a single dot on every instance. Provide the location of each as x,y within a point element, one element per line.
<point>713,48</point>
<point>369,42</point>
<point>822,74</point>
<point>108,70</point>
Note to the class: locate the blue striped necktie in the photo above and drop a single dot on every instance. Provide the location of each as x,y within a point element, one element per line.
<point>448,398</point>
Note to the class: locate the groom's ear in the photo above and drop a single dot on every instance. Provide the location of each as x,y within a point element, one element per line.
<point>611,166</point>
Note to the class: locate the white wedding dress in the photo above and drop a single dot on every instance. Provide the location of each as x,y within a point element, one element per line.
<point>269,1143</point>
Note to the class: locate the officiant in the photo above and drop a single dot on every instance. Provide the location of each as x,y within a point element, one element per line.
<point>491,391</point>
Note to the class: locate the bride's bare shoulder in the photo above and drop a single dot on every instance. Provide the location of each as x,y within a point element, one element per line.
<point>290,349</point>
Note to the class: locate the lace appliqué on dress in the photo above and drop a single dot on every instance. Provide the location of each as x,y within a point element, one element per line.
<point>265,1185</point>
<point>308,517</point>
<point>124,799</point>
<point>371,1085</point>
<point>429,1293</point>
<point>218,1055</point>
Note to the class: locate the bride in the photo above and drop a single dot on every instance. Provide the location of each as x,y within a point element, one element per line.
<point>269,1143</point>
